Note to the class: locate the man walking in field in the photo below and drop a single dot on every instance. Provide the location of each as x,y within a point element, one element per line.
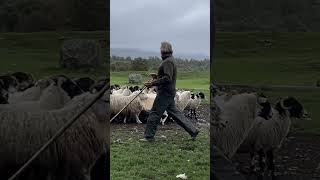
<point>165,81</point>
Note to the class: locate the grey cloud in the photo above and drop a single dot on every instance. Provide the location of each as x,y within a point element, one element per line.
<point>144,24</point>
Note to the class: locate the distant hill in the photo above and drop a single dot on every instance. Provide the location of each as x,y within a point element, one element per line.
<point>135,52</point>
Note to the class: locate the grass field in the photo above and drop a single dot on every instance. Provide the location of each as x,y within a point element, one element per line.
<point>38,53</point>
<point>290,59</point>
<point>172,154</point>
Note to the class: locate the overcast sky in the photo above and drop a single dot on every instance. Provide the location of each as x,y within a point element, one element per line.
<point>144,24</point>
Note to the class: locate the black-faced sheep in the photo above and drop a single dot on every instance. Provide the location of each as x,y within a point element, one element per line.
<point>85,83</point>
<point>10,83</point>
<point>25,80</point>
<point>267,135</point>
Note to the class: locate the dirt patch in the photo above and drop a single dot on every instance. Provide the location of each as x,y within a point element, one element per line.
<point>298,158</point>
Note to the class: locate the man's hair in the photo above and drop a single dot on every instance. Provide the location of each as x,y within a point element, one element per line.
<point>166,48</point>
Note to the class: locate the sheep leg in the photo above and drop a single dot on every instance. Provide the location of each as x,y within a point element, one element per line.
<point>125,120</point>
<point>195,115</point>
<point>261,162</point>
<point>271,166</point>
<point>252,165</point>
<point>163,120</point>
<point>138,120</point>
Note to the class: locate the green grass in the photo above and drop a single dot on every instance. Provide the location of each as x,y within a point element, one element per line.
<point>163,159</point>
<point>38,53</point>
<point>167,157</point>
<point>292,59</point>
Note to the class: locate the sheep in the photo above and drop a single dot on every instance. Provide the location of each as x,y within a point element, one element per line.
<point>118,101</point>
<point>148,103</point>
<point>10,83</point>
<point>31,94</point>
<point>3,94</point>
<point>232,120</point>
<point>53,97</point>
<point>68,85</point>
<point>72,155</point>
<point>98,86</point>
<point>126,92</point>
<point>85,83</point>
<point>268,134</point>
<point>34,93</point>
<point>25,80</point>
<point>183,99</point>
<point>194,104</point>
<point>118,91</point>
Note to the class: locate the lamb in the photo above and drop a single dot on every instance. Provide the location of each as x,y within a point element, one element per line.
<point>118,101</point>
<point>267,135</point>
<point>232,120</point>
<point>72,155</point>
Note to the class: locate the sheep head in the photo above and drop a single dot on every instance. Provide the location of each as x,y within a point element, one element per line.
<point>25,80</point>
<point>67,85</point>
<point>10,83</point>
<point>294,107</point>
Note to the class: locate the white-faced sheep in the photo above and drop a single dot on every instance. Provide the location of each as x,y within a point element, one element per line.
<point>70,156</point>
<point>268,134</point>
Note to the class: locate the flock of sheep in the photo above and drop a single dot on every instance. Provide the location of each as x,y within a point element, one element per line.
<point>32,111</point>
<point>248,122</point>
<point>137,111</point>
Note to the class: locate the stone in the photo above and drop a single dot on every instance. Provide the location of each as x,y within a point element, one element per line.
<point>135,78</point>
<point>77,53</point>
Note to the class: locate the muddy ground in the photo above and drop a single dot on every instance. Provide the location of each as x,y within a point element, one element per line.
<point>297,159</point>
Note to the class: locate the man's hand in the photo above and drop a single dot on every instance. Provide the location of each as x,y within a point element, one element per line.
<point>148,84</point>
<point>153,75</point>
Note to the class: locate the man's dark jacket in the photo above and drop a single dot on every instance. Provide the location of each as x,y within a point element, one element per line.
<point>167,76</point>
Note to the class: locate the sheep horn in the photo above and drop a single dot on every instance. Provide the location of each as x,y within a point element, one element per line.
<point>283,106</point>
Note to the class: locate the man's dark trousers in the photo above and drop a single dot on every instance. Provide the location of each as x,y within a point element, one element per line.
<point>166,103</point>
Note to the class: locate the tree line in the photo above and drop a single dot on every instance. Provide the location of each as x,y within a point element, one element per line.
<point>152,63</point>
